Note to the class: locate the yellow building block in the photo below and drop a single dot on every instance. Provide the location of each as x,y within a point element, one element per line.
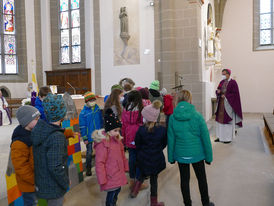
<point>11,181</point>
<point>74,140</point>
<point>77,157</point>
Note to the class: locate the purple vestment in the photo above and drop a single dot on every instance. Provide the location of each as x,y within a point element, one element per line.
<point>232,95</point>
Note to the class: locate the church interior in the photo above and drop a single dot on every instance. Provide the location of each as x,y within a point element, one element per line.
<point>79,46</point>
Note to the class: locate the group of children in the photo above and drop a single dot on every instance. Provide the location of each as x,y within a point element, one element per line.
<point>130,121</point>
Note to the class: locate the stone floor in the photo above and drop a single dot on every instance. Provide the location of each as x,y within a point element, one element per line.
<point>242,174</point>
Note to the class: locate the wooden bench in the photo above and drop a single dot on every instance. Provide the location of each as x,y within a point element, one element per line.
<point>14,103</point>
<point>269,124</point>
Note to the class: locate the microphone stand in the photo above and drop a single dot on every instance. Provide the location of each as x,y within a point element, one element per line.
<point>72,87</point>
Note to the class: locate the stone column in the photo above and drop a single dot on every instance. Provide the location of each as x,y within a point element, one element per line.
<point>177,34</point>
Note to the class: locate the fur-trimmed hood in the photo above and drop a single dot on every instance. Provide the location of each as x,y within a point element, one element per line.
<point>100,135</point>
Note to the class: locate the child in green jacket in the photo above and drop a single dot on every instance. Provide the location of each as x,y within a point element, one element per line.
<point>187,128</point>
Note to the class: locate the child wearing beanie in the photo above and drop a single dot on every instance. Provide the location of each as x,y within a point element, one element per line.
<point>21,152</point>
<point>110,161</point>
<point>150,141</point>
<point>90,119</point>
<point>154,94</point>
<point>50,152</point>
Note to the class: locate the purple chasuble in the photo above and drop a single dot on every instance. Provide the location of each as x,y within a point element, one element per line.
<point>231,91</point>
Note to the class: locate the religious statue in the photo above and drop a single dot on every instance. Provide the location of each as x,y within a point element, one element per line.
<point>210,39</point>
<point>218,53</point>
<point>124,25</point>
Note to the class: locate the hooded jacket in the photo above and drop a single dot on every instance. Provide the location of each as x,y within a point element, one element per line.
<point>50,160</point>
<point>188,136</point>
<point>130,124</point>
<point>168,104</point>
<point>150,146</point>
<point>39,106</point>
<point>110,161</point>
<point>22,159</point>
<point>90,119</point>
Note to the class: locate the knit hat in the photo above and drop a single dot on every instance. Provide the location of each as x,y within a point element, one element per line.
<point>152,111</point>
<point>116,86</point>
<point>111,121</point>
<point>26,114</point>
<point>144,93</point>
<point>89,96</point>
<point>54,107</point>
<point>163,92</point>
<point>155,85</point>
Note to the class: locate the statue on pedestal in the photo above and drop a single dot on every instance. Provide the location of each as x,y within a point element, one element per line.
<point>218,48</point>
<point>124,25</point>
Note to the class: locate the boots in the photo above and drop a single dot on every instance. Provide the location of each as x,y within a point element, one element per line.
<point>210,204</point>
<point>154,201</point>
<point>136,189</point>
<point>131,184</point>
<point>88,171</point>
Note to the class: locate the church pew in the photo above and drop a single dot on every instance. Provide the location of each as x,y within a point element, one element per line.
<point>269,124</point>
<point>14,103</point>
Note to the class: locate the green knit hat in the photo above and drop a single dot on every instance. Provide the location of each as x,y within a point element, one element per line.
<point>116,86</point>
<point>89,96</point>
<point>155,85</point>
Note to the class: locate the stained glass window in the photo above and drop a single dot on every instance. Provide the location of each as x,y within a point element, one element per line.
<point>266,22</point>
<point>8,55</point>
<point>70,35</point>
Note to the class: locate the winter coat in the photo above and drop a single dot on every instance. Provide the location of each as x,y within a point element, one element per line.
<point>90,119</point>
<point>22,159</point>
<point>188,136</point>
<point>130,124</point>
<point>39,106</point>
<point>149,146</point>
<point>168,104</point>
<point>50,160</point>
<point>146,102</point>
<point>110,161</point>
<point>155,95</point>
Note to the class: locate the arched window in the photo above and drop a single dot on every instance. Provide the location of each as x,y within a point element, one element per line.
<point>266,22</point>
<point>8,55</point>
<point>69,26</point>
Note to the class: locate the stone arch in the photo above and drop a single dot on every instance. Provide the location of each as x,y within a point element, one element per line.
<point>5,92</point>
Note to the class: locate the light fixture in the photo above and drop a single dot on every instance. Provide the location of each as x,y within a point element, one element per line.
<point>151,3</point>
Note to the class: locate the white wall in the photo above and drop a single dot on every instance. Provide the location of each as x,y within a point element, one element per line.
<point>254,70</point>
<point>89,41</point>
<point>143,73</point>
<point>46,37</point>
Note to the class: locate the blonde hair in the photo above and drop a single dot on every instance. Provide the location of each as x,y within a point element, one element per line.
<point>184,95</point>
<point>150,126</point>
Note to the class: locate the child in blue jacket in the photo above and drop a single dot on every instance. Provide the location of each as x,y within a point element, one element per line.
<point>90,119</point>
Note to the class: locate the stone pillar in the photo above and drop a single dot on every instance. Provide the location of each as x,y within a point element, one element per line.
<point>177,35</point>
<point>46,37</point>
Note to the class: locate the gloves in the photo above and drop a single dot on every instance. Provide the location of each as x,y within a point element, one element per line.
<point>208,163</point>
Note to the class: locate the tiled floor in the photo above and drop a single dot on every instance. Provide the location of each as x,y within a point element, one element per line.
<point>242,173</point>
<point>5,139</point>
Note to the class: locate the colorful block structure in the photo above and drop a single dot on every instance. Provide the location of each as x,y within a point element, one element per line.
<point>14,194</point>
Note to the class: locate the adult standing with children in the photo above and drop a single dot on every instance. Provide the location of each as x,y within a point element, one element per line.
<point>5,117</point>
<point>229,110</point>
<point>189,143</point>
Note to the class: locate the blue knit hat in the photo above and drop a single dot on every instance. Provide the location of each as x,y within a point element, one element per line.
<point>55,107</point>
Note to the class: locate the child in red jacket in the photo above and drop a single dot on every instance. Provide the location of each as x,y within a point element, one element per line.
<point>110,161</point>
<point>168,105</point>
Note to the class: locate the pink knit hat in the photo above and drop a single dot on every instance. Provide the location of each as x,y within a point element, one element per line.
<point>152,111</point>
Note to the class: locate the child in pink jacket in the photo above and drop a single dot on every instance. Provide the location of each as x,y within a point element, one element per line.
<point>110,161</point>
<point>132,119</point>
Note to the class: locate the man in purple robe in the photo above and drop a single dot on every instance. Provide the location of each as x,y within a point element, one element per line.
<point>5,118</point>
<point>229,110</point>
